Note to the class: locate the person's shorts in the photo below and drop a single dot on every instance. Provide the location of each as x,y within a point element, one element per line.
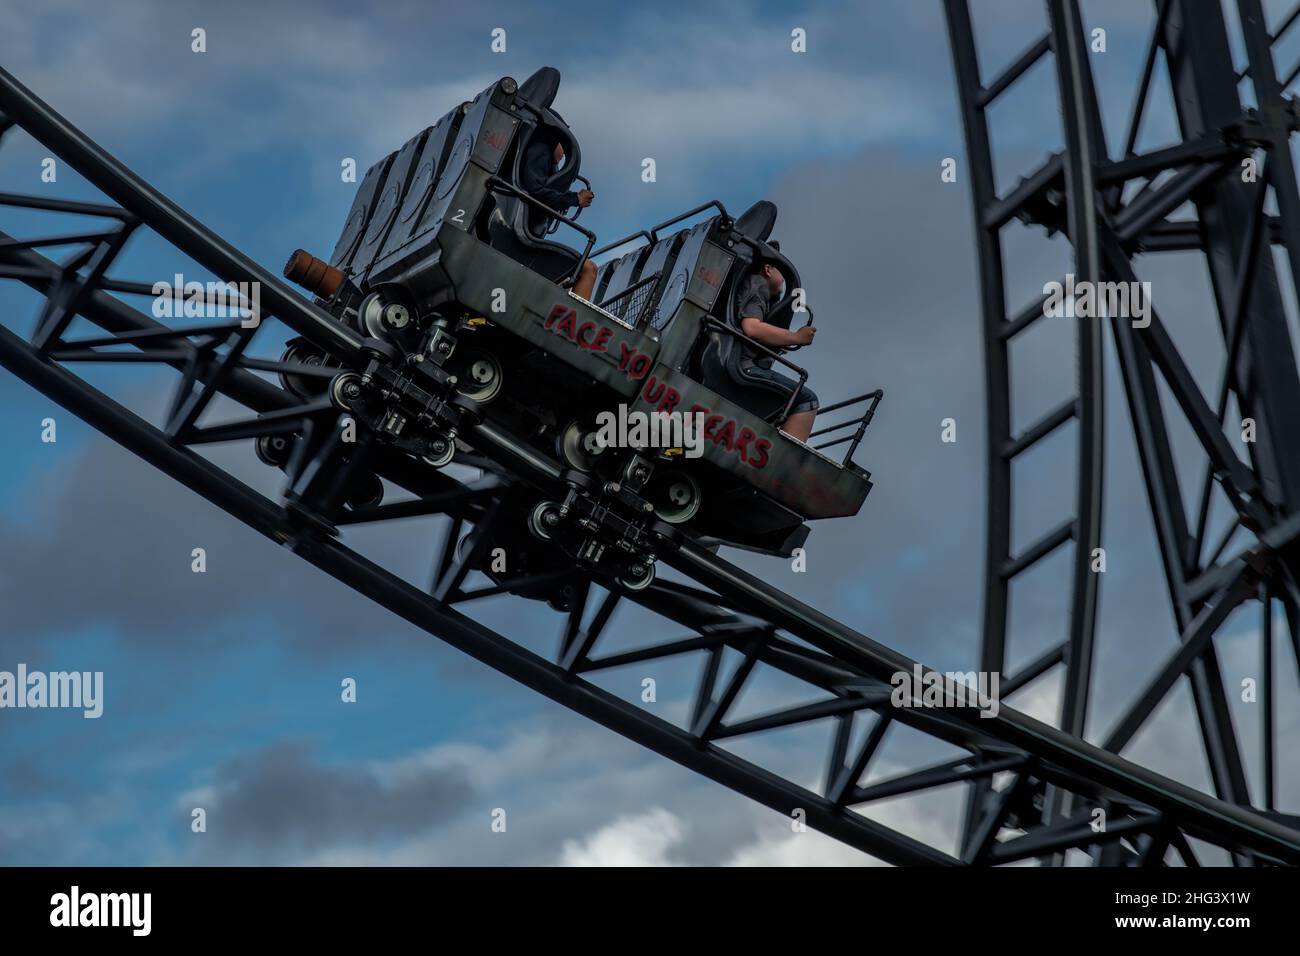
<point>805,401</point>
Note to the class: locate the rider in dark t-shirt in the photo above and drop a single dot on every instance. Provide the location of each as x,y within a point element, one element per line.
<point>754,300</point>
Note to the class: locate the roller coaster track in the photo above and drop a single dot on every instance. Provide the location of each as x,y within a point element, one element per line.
<point>1015,769</point>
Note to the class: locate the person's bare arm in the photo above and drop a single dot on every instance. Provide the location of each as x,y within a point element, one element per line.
<point>774,337</point>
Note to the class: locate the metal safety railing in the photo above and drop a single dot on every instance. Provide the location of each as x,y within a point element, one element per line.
<point>854,438</point>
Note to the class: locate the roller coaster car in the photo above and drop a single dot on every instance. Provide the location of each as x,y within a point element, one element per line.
<point>446,261</point>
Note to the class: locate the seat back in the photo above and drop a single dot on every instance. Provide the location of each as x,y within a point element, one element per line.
<point>603,272</point>
<point>758,220</point>
<point>617,275</point>
<point>446,187</point>
<point>660,260</point>
<point>432,170</point>
<point>718,354</point>
<point>410,192</point>
<point>359,216</point>
<point>384,213</point>
<point>684,269</point>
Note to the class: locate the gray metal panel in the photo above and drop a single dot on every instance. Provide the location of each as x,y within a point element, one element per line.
<point>683,268</point>
<point>454,170</point>
<point>658,258</point>
<point>474,152</point>
<point>390,200</point>
<point>658,261</point>
<point>359,215</point>
<point>427,169</point>
<point>603,272</point>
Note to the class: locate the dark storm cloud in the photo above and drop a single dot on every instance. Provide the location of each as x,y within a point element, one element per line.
<point>108,544</point>
<point>282,801</point>
<point>24,778</point>
<point>561,781</point>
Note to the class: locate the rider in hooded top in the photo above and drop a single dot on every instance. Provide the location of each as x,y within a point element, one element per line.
<point>541,159</point>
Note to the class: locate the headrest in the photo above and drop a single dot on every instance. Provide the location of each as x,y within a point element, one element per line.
<point>757,221</point>
<point>540,88</point>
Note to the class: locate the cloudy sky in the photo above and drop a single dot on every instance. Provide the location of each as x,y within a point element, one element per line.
<point>223,688</point>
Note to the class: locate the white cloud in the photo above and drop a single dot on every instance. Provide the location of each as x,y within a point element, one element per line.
<point>808,848</point>
<point>642,840</point>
